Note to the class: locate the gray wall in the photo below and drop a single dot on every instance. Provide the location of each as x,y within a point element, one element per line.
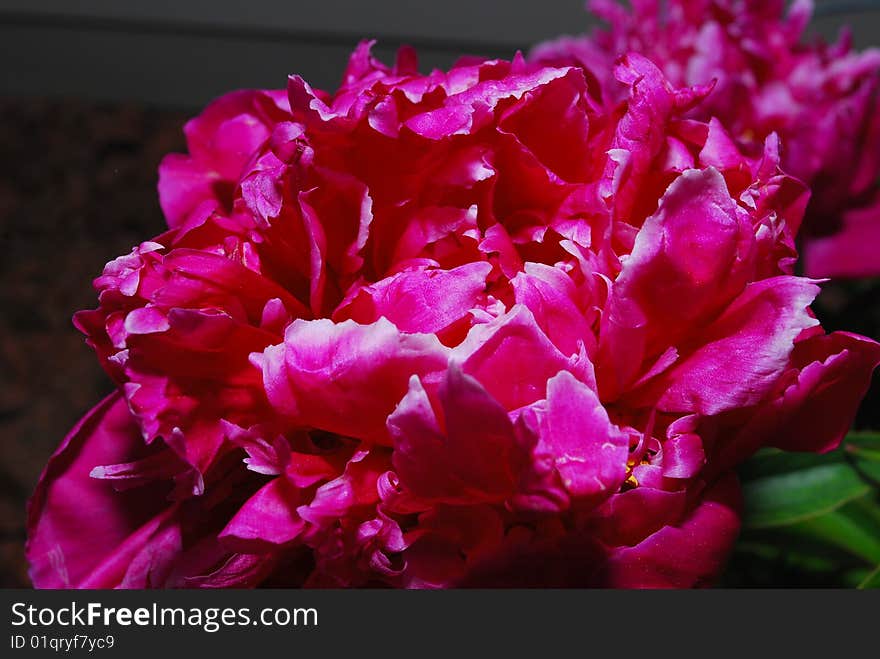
<point>182,53</point>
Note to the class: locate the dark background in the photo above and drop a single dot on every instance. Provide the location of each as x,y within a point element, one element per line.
<point>94,93</point>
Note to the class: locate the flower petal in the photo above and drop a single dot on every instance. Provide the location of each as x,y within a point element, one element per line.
<point>346,378</point>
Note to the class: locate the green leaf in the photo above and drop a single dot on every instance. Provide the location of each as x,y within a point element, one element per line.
<point>863,453</point>
<point>866,511</point>
<point>863,445</point>
<point>771,462</point>
<point>794,496</point>
<point>871,581</point>
<point>812,519</point>
<point>850,532</point>
<point>864,438</point>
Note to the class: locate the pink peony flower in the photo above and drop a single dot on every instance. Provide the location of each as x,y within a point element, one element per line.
<point>470,328</point>
<point>821,99</point>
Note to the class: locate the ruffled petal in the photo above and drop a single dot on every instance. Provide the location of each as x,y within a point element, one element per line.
<point>346,378</point>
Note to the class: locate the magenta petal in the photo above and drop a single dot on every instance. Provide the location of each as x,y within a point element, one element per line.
<point>424,301</point>
<point>346,378</point>
<point>851,252</point>
<point>691,553</point>
<point>268,518</point>
<point>221,141</point>
<point>493,354</point>
<point>358,486</point>
<point>550,296</point>
<point>687,262</point>
<point>640,134</point>
<point>683,456</point>
<point>474,457</point>
<point>589,452</point>
<point>229,130</point>
<point>630,517</point>
<point>469,110</point>
<point>817,401</point>
<point>183,186</point>
<point>745,350</point>
<point>80,529</point>
<point>720,151</point>
<point>816,412</point>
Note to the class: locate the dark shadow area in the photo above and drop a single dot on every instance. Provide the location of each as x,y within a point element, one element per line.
<point>77,188</point>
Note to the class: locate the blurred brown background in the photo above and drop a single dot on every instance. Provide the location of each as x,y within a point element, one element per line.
<point>77,186</point>
<point>94,93</point>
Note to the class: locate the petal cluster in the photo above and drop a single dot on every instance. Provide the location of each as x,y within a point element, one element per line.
<point>822,100</point>
<point>470,328</point>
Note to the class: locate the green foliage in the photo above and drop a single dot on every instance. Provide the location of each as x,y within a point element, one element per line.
<point>811,520</point>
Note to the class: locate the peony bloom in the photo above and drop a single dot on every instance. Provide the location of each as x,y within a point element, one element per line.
<point>822,100</point>
<point>470,328</point>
